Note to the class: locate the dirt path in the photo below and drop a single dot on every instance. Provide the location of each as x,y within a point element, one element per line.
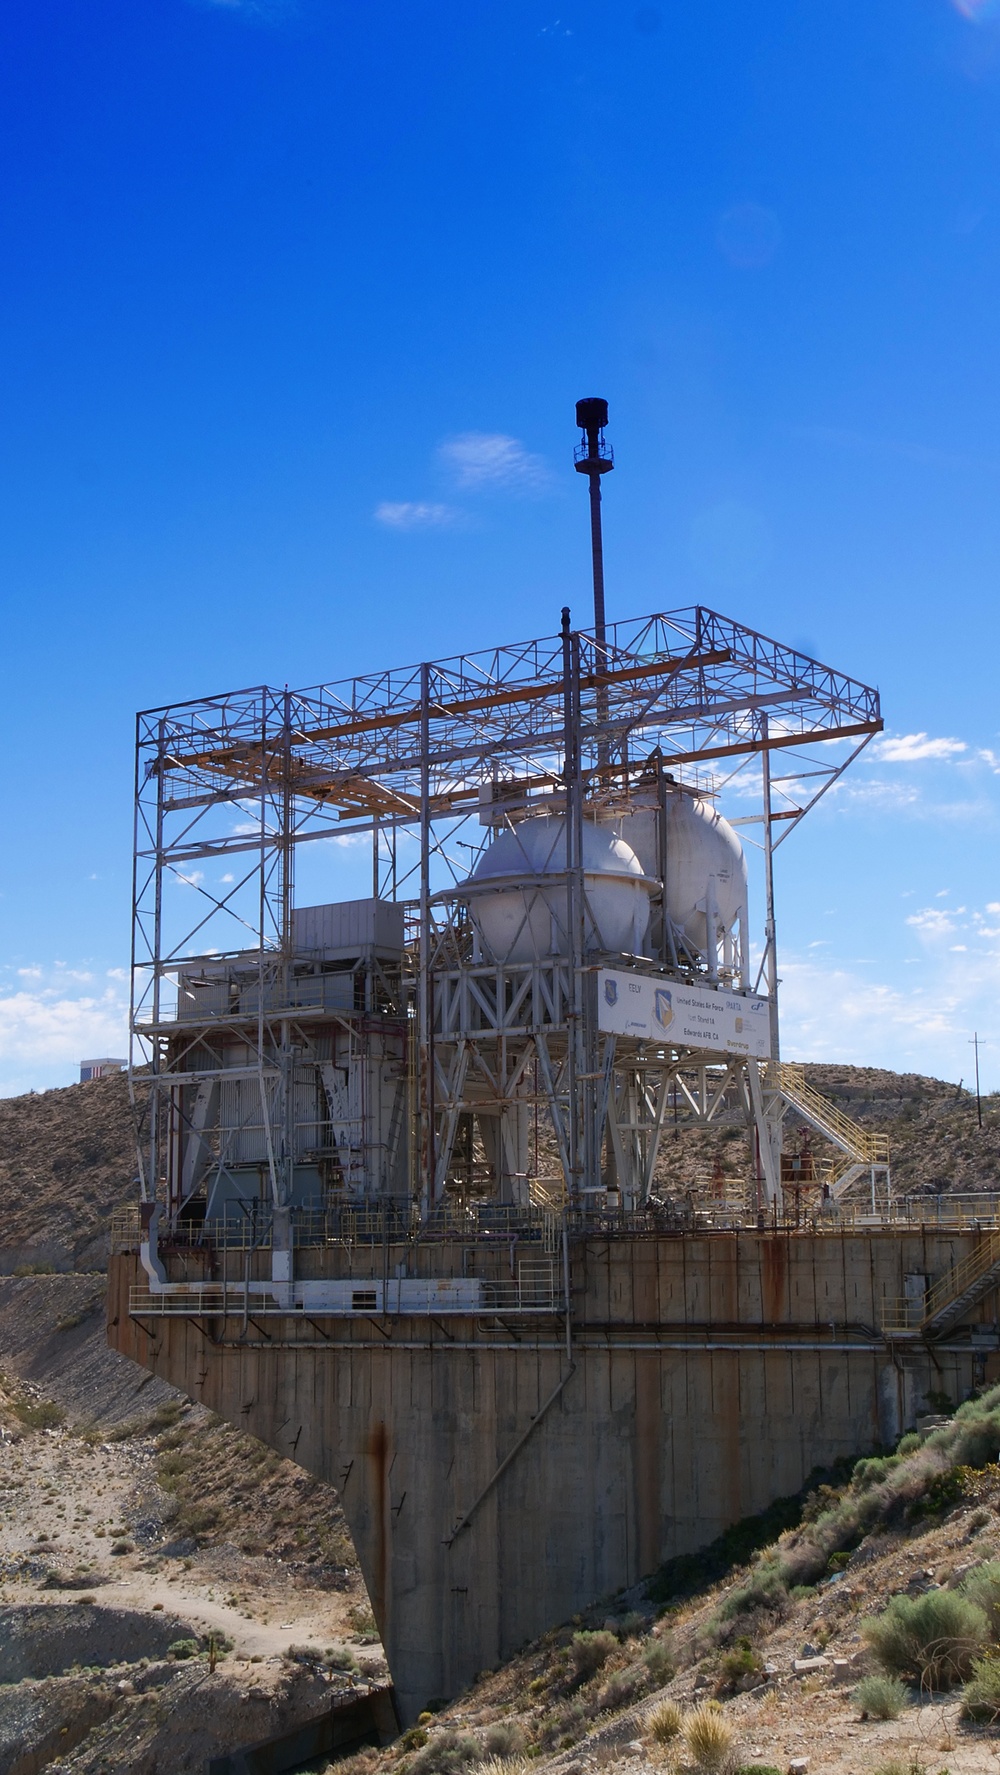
<point>78,1516</point>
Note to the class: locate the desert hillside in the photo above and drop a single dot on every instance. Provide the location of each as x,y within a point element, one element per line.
<point>67,1158</point>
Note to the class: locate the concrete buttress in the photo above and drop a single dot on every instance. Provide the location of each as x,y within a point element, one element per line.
<point>709,1374</point>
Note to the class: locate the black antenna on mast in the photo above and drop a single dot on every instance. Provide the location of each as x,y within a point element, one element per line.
<point>594,458</point>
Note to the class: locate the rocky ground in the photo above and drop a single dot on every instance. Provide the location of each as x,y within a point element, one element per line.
<point>168,1532</point>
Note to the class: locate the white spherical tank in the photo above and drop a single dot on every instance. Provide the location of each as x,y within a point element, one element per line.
<point>520,916</point>
<point>705,865</point>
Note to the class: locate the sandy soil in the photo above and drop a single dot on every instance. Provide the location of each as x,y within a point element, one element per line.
<point>79,1517</point>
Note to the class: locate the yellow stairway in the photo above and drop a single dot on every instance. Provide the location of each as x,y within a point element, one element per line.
<point>859,1150</point>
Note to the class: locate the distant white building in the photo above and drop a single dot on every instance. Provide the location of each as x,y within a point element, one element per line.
<point>99,1069</point>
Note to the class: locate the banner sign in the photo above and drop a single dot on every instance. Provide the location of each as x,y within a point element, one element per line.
<point>659,1010</point>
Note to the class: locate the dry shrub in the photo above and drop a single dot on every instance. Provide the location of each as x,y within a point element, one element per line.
<point>445,1754</point>
<point>589,1652</point>
<point>976,1434</point>
<point>765,1592</point>
<point>664,1722</point>
<point>982,1587</point>
<point>504,1740</point>
<point>516,1765</point>
<point>741,1661</point>
<point>932,1639</point>
<point>981,1696</point>
<point>563,1727</point>
<point>623,1687</point>
<point>881,1697</point>
<point>659,1660</point>
<point>709,1739</point>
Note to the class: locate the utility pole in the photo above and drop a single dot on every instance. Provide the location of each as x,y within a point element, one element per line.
<point>979,1102</point>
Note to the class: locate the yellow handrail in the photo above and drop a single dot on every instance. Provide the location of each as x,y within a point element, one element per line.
<point>962,1274</point>
<point>896,1315</point>
<point>868,1148</point>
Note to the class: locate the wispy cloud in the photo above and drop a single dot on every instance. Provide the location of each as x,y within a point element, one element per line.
<point>834,1013</point>
<point>413,514</point>
<point>911,748</point>
<point>875,792</point>
<point>266,12</point>
<point>483,459</point>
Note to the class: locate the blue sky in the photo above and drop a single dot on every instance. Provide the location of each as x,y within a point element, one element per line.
<point>296,300</point>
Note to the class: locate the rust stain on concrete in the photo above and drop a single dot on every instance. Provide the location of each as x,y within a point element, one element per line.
<point>648,1435</point>
<point>774,1279</point>
<point>377,1455</point>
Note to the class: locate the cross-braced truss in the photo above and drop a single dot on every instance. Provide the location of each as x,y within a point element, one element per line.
<point>427,763</point>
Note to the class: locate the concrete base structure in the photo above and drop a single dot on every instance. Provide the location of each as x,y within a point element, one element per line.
<point>499,1475</point>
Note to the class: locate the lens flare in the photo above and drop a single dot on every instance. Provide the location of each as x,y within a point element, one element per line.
<point>977,11</point>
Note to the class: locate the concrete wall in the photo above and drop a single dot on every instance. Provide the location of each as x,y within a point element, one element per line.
<point>708,1376</point>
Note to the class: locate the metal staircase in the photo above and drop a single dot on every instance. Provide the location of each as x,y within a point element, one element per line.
<point>859,1151</point>
<point>946,1304</point>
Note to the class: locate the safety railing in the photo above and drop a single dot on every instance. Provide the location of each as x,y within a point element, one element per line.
<point>124,1230</point>
<point>961,1280</point>
<point>536,1289</point>
<point>486,1222</point>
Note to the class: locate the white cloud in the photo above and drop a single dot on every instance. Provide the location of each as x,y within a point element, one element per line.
<point>922,1021</point>
<point>409,514</point>
<point>491,459</point>
<point>830,1013</point>
<point>911,748</point>
<point>46,1032</point>
<point>932,922</point>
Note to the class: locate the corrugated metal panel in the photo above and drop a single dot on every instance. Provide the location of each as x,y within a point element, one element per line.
<point>347,927</point>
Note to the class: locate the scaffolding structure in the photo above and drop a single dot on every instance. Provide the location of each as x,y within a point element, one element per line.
<point>426,765</point>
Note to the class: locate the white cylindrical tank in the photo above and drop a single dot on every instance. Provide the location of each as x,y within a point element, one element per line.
<point>706,871</point>
<point>521,916</point>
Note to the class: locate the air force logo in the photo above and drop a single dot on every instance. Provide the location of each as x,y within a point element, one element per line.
<point>663,1009</point>
<point>611,992</point>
